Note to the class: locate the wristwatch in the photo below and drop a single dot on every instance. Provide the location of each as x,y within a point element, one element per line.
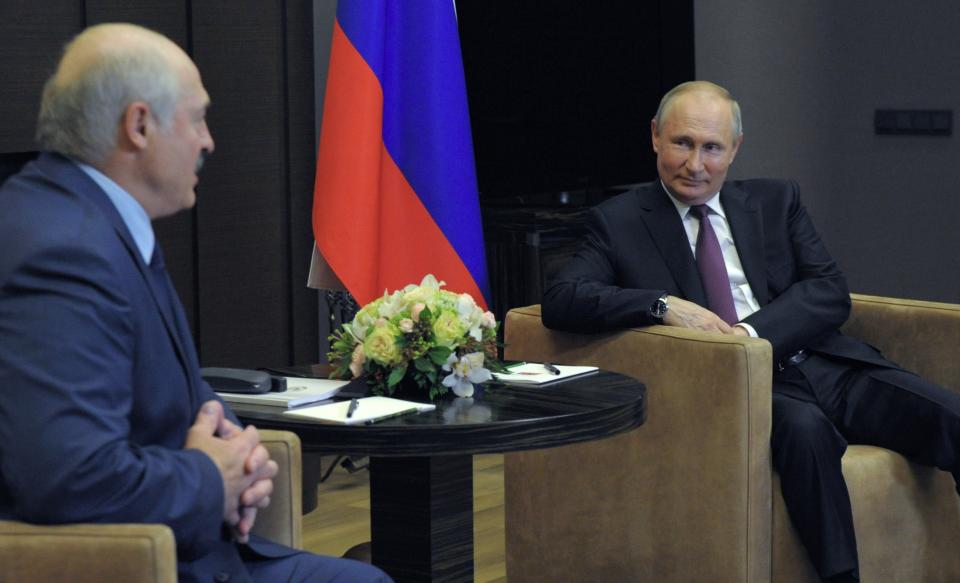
<point>659,309</point>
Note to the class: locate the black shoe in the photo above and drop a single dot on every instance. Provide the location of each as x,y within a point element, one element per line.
<point>849,577</point>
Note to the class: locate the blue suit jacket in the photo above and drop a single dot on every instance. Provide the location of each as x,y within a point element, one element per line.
<point>98,385</point>
<point>636,249</point>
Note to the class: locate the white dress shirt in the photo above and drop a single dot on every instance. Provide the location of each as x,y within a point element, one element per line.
<point>744,300</point>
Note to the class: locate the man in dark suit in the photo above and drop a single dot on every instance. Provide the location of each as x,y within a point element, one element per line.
<point>103,414</point>
<point>743,257</point>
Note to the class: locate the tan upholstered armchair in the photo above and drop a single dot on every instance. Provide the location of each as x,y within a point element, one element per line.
<point>140,552</point>
<point>690,496</point>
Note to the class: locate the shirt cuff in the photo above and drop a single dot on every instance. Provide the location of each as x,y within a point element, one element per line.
<point>748,328</point>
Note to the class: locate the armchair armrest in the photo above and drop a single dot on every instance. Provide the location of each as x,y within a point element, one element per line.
<point>141,552</point>
<point>87,553</point>
<point>920,336</point>
<point>282,521</point>
<point>699,466</point>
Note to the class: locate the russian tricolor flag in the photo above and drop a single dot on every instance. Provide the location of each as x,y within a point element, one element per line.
<point>395,196</point>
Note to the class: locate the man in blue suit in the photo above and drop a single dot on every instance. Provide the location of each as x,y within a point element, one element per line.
<point>743,257</point>
<point>103,414</point>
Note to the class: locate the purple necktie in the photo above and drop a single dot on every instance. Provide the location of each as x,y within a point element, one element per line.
<point>713,270</point>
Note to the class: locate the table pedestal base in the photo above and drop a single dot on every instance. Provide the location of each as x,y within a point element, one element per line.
<point>422,517</point>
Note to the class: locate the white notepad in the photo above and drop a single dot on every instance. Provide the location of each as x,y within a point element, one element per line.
<point>536,374</point>
<point>369,410</point>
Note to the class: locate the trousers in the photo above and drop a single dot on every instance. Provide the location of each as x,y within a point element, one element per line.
<point>823,404</point>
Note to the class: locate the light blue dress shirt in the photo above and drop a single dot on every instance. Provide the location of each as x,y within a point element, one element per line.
<point>132,212</point>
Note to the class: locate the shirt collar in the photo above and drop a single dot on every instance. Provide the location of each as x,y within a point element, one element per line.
<point>683,208</point>
<point>132,212</point>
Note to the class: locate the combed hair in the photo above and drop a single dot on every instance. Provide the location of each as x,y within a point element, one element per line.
<point>80,119</point>
<point>691,86</point>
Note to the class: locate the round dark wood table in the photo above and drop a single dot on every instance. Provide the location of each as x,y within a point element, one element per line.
<point>421,467</point>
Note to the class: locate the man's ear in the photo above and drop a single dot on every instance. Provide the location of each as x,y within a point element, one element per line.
<point>653,135</point>
<point>736,146</point>
<point>135,125</point>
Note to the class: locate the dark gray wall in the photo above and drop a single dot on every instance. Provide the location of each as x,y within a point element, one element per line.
<point>809,76</point>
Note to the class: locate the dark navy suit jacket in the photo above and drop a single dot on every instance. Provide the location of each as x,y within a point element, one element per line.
<point>636,249</point>
<point>98,385</point>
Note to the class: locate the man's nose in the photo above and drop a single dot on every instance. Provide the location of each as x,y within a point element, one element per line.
<point>208,144</point>
<point>695,161</point>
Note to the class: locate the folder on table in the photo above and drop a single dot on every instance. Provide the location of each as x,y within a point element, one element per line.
<point>299,391</point>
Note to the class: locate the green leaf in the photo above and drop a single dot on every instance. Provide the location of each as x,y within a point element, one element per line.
<point>437,391</point>
<point>341,372</point>
<point>396,375</point>
<point>426,315</point>
<point>424,365</point>
<point>439,354</point>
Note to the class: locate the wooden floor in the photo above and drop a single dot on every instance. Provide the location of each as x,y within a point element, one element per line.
<point>342,517</point>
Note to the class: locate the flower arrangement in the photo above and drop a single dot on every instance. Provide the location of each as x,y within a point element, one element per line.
<point>429,336</point>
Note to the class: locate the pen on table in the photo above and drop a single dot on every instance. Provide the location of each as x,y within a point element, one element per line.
<point>550,368</point>
<point>354,403</point>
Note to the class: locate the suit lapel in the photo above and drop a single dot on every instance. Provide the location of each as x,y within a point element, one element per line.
<point>73,179</point>
<point>666,229</point>
<point>747,228</point>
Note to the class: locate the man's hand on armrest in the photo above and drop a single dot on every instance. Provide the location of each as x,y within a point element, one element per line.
<point>686,314</point>
<point>741,330</point>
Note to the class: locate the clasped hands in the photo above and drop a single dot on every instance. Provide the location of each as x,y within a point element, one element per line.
<point>686,314</point>
<point>244,464</point>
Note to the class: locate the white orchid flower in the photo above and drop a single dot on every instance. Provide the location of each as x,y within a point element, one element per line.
<point>431,282</point>
<point>358,332</point>
<point>391,306</point>
<point>362,323</point>
<point>488,320</point>
<point>464,372</point>
<point>471,315</point>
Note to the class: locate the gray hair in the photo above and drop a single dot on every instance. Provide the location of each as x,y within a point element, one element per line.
<point>706,87</point>
<point>80,118</point>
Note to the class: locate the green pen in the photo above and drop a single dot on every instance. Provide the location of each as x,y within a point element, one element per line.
<point>391,416</point>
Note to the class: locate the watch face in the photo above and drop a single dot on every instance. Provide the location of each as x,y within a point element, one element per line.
<point>659,308</point>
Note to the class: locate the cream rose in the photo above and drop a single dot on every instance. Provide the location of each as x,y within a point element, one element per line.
<point>448,329</point>
<point>381,345</point>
